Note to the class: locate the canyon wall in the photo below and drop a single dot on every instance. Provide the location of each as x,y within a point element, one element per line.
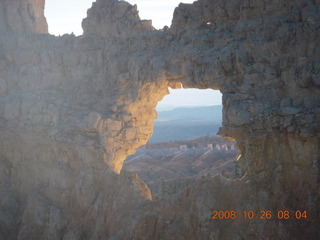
<point>72,109</point>
<point>23,16</point>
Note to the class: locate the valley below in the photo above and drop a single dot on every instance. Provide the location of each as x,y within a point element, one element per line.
<point>168,168</point>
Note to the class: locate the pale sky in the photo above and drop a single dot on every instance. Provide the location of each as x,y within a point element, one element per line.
<point>190,98</point>
<point>65,16</point>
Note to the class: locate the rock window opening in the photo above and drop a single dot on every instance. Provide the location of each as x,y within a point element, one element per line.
<point>184,147</point>
<point>160,11</point>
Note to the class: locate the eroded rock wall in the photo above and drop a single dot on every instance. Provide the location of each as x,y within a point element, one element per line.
<point>23,16</point>
<point>72,109</point>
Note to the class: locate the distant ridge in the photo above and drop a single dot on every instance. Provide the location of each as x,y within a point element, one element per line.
<point>186,123</point>
<point>203,113</point>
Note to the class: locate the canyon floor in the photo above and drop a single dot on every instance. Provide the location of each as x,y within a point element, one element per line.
<point>169,167</point>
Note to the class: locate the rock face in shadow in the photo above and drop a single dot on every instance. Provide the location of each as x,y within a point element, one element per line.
<point>72,109</point>
<point>114,18</point>
<point>23,16</point>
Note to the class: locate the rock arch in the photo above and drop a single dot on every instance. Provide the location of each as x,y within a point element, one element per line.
<point>69,104</point>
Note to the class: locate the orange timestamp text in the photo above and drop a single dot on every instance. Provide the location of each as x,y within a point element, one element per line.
<point>264,215</point>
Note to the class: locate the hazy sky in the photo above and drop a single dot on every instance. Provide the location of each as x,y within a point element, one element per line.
<point>65,16</point>
<point>190,97</point>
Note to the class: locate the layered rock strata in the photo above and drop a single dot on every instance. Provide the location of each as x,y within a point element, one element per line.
<point>72,109</point>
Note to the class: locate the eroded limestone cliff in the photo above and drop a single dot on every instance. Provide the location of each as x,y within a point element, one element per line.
<point>23,16</point>
<point>72,109</point>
